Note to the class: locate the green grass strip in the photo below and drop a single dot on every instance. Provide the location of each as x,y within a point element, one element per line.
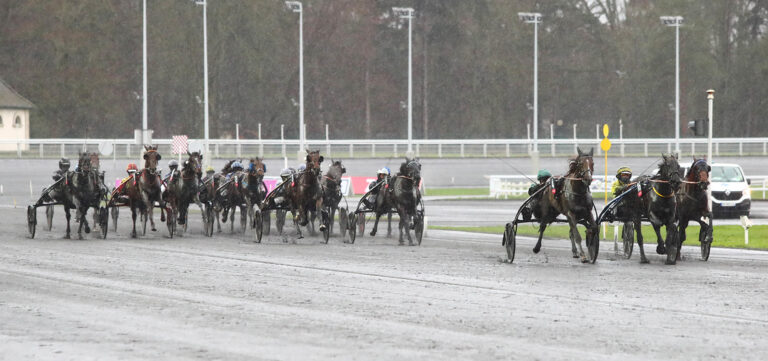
<point>724,236</point>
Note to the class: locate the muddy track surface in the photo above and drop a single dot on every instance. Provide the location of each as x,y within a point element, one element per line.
<point>451,298</point>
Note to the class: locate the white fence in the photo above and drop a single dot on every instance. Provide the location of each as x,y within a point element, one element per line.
<point>384,148</point>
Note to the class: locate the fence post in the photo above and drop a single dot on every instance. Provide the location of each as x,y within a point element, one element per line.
<point>507,146</point>
<point>418,150</point>
<point>282,138</point>
<point>261,145</point>
<point>62,150</point>
<point>462,150</point>
<point>18,149</point>
<point>645,148</point>
<point>394,150</point>
<point>764,148</point>
<point>373,150</point>
<point>552,138</point>
<point>669,148</point>
<point>41,150</point>
<point>327,141</point>
<point>528,136</point>
<point>597,137</point>
<point>717,148</point>
<point>575,140</point>
<point>485,150</point>
<point>439,150</point>
<point>217,150</point>
<point>693,148</point>
<point>351,152</point>
<point>621,136</point>
<point>741,149</point>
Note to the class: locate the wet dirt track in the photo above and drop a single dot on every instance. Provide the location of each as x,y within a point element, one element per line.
<point>451,298</point>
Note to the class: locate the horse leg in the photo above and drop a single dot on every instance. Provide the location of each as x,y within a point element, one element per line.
<point>133,216</point>
<point>319,208</point>
<point>69,216</point>
<point>672,241</point>
<point>152,217</point>
<point>389,224</point>
<point>639,231</point>
<point>681,236</point>
<point>296,215</point>
<point>232,218</point>
<point>243,217</point>
<point>576,238</point>
<point>375,224</point>
<point>332,216</point>
<point>401,225</point>
<point>660,249</point>
<point>542,227</point>
<point>409,226</point>
<point>81,217</point>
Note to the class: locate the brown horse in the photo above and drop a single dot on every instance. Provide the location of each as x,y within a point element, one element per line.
<point>149,184</point>
<point>86,192</point>
<point>305,192</point>
<point>256,189</point>
<point>128,193</point>
<point>406,197</point>
<point>573,199</point>
<point>659,205</point>
<point>692,203</point>
<point>331,185</point>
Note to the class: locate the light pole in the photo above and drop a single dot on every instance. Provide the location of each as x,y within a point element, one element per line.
<point>144,78</point>
<point>407,13</point>
<point>535,19</point>
<point>204,3</point>
<point>676,22</point>
<point>296,7</point>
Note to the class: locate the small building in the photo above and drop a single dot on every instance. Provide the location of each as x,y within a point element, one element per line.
<point>14,117</point>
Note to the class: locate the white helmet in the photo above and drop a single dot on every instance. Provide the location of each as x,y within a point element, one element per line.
<point>383,171</point>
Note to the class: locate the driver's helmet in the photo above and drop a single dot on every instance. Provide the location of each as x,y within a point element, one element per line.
<point>624,172</point>
<point>173,164</point>
<point>64,164</point>
<point>302,167</point>
<point>285,173</point>
<point>210,170</point>
<point>236,166</point>
<point>543,174</point>
<point>384,171</point>
<point>132,168</point>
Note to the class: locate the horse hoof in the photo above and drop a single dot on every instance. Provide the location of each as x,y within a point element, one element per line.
<point>154,229</point>
<point>575,255</point>
<point>584,260</point>
<point>373,233</point>
<point>87,229</point>
<point>411,244</point>
<point>644,260</point>
<point>401,243</point>
<point>162,218</point>
<point>67,237</point>
<point>661,249</point>
<point>536,249</point>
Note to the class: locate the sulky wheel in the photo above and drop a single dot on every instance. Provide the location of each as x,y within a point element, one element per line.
<point>49,218</point>
<point>352,227</point>
<point>31,220</point>
<point>510,240</point>
<point>115,213</point>
<point>266,222</point>
<point>279,220</point>
<point>593,245</point>
<point>210,221</point>
<point>327,229</point>
<point>258,220</point>
<point>170,221</point>
<point>343,221</point>
<point>361,224</point>
<point>419,227</point>
<point>103,221</point>
<point>706,241</point>
<point>628,239</point>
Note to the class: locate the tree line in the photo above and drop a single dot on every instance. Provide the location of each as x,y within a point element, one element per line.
<point>600,61</point>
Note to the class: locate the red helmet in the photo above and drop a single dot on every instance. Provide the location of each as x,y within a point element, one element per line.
<point>132,167</point>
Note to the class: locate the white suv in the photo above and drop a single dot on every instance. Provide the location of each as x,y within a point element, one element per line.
<point>731,194</point>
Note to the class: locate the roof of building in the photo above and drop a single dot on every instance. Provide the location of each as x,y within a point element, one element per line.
<point>9,98</point>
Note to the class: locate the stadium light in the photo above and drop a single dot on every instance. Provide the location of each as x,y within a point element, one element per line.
<point>407,13</point>
<point>676,22</point>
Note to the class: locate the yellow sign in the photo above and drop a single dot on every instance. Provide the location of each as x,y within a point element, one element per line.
<point>605,144</point>
<point>605,130</point>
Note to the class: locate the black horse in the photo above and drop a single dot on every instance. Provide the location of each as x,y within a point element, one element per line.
<point>59,192</point>
<point>150,186</point>
<point>231,195</point>
<point>406,196</point>
<point>257,191</point>
<point>87,192</point>
<point>659,204</point>
<point>693,205</point>
<point>573,199</point>
<point>331,185</point>
<point>305,192</point>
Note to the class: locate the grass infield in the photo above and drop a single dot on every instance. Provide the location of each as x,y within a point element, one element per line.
<point>724,236</point>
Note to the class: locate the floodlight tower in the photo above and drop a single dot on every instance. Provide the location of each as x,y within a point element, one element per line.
<point>407,13</point>
<point>676,22</point>
<point>535,19</point>
<point>204,4</point>
<point>297,7</point>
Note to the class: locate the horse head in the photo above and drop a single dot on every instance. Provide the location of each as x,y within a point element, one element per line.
<point>195,163</point>
<point>313,161</point>
<point>256,168</point>
<point>669,170</point>
<point>583,166</point>
<point>412,169</point>
<point>699,173</point>
<point>151,158</point>
<point>94,159</point>
<point>335,171</point>
<point>84,163</point>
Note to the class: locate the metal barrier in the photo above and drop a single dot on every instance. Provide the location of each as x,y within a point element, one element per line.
<point>385,148</point>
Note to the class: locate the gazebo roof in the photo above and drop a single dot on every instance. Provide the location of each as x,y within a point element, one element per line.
<point>9,98</point>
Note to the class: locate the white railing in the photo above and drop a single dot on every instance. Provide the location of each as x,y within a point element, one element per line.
<point>384,148</point>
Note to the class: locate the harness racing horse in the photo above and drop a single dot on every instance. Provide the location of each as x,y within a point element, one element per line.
<point>87,192</point>
<point>331,185</point>
<point>659,205</point>
<point>305,192</point>
<point>406,196</point>
<point>187,188</point>
<point>383,205</point>
<point>232,194</point>
<point>573,199</point>
<point>150,187</point>
<point>257,191</point>
<point>693,205</point>
<point>59,192</point>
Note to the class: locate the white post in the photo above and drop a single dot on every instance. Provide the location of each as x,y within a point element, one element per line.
<point>327,141</point>
<point>710,101</point>
<point>144,77</point>
<point>621,136</point>
<point>534,18</point>
<point>261,145</point>
<point>410,83</point>
<point>204,3</point>
<point>237,137</point>
<point>302,133</point>
<point>575,139</point>
<point>677,90</point>
<point>552,138</point>
<point>282,137</point>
